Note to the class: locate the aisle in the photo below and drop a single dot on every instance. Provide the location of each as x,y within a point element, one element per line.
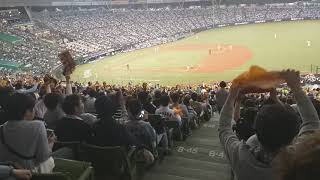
<point>200,157</point>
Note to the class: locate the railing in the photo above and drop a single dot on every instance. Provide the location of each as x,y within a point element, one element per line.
<point>315,69</point>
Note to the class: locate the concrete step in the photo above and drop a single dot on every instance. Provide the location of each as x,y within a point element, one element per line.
<point>194,173</point>
<point>200,157</point>
<point>179,161</point>
<point>162,176</point>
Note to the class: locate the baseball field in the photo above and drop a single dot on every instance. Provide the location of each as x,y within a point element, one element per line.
<point>219,54</point>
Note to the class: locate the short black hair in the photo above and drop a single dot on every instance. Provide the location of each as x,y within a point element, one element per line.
<point>105,107</point>
<point>157,94</point>
<point>194,96</point>
<point>42,91</point>
<point>134,106</point>
<point>70,103</point>
<point>164,100</point>
<point>91,92</point>
<point>276,126</point>
<point>223,84</point>
<point>175,97</point>
<point>18,85</point>
<point>5,93</point>
<point>52,100</point>
<point>18,105</point>
<point>186,100</point>
<point>115,98</point>
<point>143,96</point>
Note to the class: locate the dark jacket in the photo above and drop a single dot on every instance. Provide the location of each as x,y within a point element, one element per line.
<point>73,128</point>
<point>111,134</point>
<point>150,108</point>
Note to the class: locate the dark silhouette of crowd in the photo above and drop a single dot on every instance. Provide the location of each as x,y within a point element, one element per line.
<point>263,143</point>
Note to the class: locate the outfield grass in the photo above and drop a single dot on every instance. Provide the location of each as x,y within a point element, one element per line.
<point>288,50</point>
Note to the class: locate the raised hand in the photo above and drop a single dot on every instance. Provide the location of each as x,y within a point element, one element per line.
<point>292,77</point>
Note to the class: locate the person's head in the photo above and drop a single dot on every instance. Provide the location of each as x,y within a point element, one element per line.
<point>175,97</point>
<point>18,85</point>
<point>186,100</point>
<point>4,95</point>
<point>157,94</point>
<point>73,105</point>
<point>223,84</point>
<point>115,98</point>
<point>194,96</point>
<point>134,108</point>
<point>143,97</point>
<point>164,100</point>
<point>52,100</point>
<point>20,107</point>
<point>92,93</point>
<point>269,101</point>
<point>249,114</point>
<point>42,91</point>
<point>300,161</point>
<point>105,108</point>
<point>276,126</point>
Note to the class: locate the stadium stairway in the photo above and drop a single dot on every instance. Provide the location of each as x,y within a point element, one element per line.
<point>200,157</point>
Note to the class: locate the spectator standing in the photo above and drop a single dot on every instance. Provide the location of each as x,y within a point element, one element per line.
<point>276,126</point>
<point>221,95</point>
<point>89,103</point>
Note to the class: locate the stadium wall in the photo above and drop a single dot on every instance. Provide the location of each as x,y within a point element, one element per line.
<point>265,21</point>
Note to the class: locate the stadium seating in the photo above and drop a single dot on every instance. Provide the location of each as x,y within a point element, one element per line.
<point>68,170</point>
<point>108,162</point>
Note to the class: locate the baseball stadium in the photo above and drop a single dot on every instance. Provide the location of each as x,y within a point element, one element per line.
<point>212,55</point>
<point>159,89</point>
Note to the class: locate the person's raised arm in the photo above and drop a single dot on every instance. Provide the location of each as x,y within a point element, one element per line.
<point>228,138</point>
<point>309,116</point>
<point>68,85</point>
<point>236,113</point>
<point>48,88</point>
<point>274,96</point>
<point>227,111</point>
<point>31,90</point>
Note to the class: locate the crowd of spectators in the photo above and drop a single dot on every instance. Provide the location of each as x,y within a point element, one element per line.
<point>90,32</point>
<point>102,115</point>
<point>107,115</point>
<point>266,140</point>
<point>100,29</point>
<point>27,49</point>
